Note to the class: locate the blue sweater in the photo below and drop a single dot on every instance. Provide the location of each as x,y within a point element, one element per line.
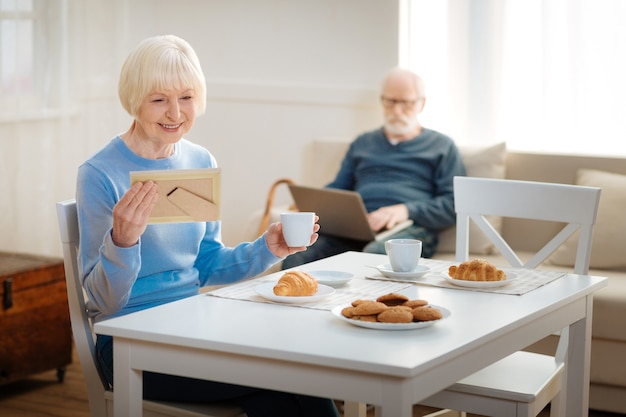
<point>171,261</point>
<point>417,172</point>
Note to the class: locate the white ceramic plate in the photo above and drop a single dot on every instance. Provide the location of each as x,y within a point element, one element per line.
<point>390,326</point>
<point>266,290</point>
<point>389,273</point>
<point>510,277</point>
<point>331,278</point>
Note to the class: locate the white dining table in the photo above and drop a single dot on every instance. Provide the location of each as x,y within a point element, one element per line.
<point>310,351</point>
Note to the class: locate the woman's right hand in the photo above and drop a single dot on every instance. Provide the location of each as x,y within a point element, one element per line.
<point>131,213</point>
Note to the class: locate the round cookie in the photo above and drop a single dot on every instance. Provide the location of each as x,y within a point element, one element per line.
<point>367,308</point>
<point>393,299</point>
<point>426,313</point>
<point>395,315</point>
<point>371,318</point>
<point>415,303</point>
<point>348,312</point>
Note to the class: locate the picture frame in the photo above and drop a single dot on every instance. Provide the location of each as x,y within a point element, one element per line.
<point>185,195</point>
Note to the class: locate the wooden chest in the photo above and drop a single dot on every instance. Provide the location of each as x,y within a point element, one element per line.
<point>35,330</point>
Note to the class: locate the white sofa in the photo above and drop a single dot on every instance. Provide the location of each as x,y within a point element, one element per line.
<point>608,356</point>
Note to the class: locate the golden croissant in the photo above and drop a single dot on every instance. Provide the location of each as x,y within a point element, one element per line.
<point>476,270</point>
<point>296,283</point>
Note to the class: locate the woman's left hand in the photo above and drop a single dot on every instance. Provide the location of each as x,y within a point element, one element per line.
<point>276,242</point>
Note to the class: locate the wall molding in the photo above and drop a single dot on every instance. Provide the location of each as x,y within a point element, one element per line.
<point>293,94</point>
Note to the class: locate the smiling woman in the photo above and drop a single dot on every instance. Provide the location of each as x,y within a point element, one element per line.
<point>128,263</point>
<point>542,76</point>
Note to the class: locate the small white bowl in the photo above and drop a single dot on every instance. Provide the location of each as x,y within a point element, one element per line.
<point>331,278</point>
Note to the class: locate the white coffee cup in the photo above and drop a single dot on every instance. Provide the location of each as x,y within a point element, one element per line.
<point>404,254</point>
<point>297,227</point>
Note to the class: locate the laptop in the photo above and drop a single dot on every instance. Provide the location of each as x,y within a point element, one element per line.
<point>341,212</point>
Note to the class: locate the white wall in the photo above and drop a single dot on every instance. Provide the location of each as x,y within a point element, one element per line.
<point>280,75</point>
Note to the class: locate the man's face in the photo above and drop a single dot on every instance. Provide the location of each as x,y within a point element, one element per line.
<point>401,105</point>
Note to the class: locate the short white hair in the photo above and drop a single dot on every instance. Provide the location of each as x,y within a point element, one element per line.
<point>418,82</point>
<point>164,62</point>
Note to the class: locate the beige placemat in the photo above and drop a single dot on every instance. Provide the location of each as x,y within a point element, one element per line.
<point>353,290</point>
<point>525,280</point>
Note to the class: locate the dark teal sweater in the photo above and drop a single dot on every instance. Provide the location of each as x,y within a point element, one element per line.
<point>417,172</point>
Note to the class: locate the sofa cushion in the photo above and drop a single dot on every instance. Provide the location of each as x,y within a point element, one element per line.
<point>609,307</point>
<point>609,234</point>
<point>486,162</point>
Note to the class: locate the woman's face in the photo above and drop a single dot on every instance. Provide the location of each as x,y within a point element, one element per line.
<point>165,116</point>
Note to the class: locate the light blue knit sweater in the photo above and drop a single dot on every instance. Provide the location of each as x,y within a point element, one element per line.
<point>171,261</point>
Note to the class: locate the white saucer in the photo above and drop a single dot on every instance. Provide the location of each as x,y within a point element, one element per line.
<point>510,277</point>
<point>266,290</point>
<point>332,278</point>
<point>389,273</point>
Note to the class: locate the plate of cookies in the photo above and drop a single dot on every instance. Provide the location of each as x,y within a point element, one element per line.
<point>391,311</point>
<point>478,273</point>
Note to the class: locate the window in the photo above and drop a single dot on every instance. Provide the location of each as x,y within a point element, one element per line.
<point>542,75</point>
<point>16,47</point>
<point>33,58</point>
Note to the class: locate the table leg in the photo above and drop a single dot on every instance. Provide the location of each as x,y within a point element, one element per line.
<point>396,400</point>
<point>575,397</point>
<point>352,409</point>
<point>127,382</point>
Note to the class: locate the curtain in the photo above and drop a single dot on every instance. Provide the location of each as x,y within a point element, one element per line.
<point>36,120</point>
<point>542,75</point>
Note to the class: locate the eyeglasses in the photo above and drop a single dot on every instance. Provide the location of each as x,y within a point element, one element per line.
<point>390,103</point>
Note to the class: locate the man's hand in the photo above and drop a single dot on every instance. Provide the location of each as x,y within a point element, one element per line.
<point>387,217</point>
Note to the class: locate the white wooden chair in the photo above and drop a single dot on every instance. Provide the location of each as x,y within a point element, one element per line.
<point>523,383</point>
<point>100,397</point>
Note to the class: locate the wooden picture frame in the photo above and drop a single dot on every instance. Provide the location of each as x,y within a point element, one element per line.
<point>185,195</point>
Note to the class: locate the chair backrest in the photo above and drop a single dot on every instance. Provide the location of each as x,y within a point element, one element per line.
<point>576,206</point>
<point>84,337</point>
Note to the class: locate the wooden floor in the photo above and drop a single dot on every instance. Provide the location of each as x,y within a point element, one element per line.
<point>43,396</point>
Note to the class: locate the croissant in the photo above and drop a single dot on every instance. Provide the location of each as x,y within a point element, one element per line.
<point>296,283</point>
<point>476,270</point>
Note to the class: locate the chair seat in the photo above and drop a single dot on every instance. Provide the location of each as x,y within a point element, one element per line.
<point>518,377</point>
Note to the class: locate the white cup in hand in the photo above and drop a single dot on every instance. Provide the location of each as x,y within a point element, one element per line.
<point>404,254</point>
<point>297,228</point>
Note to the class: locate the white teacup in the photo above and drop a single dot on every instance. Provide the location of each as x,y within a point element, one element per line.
<point>297,227</point>
<point>404,254</point>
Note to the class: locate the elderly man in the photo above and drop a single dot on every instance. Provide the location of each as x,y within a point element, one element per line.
<point>402,171</point>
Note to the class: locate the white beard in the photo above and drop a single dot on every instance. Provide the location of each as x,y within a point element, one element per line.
<point>401,125</point>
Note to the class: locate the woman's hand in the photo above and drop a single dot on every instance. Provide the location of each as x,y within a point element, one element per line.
<point>131,213</point>
<point>276,242</point>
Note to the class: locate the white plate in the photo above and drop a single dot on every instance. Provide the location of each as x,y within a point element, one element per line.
<point>266,290</point>
<point>390,326</point>
<point>332,278</point>
<point>389,273</point>
<point>510,277</point>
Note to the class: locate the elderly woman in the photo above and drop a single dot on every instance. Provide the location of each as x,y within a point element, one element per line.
<point>128,265</point>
